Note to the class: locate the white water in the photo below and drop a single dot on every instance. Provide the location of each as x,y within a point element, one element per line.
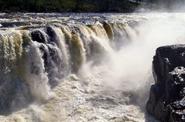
<point>130,68</point>
<point>114,90</point>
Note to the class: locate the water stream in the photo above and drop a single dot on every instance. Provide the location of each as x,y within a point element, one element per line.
<point>81,67</point>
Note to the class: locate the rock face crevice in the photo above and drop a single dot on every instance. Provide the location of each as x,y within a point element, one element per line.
<point>167,95</point>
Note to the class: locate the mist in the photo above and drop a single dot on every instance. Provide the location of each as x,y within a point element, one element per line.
<point>130,69</point>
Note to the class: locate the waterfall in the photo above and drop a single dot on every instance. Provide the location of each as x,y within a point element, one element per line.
<point>72,69</point>
<point>40,58</point>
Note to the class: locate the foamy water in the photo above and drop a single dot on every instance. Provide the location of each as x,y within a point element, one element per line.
<point>85,67</point>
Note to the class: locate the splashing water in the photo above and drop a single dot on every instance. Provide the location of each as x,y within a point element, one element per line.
<point>67,70</point>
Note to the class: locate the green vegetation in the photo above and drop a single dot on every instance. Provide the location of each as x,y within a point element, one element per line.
<point>84,5</point>
<point>67,5</point>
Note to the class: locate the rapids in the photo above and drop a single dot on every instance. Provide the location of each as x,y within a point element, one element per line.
<point>81,67</point>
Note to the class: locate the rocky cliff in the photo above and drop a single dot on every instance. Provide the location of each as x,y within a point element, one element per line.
<point>167,101</point>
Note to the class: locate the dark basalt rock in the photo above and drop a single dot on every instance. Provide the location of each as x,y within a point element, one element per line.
<point>51,33</point>
<point>38,36</point>
<point>167,95</point>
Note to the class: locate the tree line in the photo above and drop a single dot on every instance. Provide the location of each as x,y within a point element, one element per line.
<point>80,5</point>
<point>67,5</point>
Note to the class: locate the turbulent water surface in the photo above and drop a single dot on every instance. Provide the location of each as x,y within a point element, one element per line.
<point>81,67</point>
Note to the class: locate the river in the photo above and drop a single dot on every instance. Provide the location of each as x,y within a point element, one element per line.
<point>81,67</point>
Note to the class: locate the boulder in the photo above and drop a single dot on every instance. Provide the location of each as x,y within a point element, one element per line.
<point>39,36</point>
<point>167,95</point>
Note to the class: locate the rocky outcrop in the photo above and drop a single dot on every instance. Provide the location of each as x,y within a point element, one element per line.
<point>167,95</point>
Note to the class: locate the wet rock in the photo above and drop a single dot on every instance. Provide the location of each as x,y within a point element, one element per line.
<point>52,35</point>
<point>38,36</point>
<point>108,30</point>
<point>167,101</point>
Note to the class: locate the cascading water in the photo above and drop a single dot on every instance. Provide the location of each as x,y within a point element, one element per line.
<point>80,68</point>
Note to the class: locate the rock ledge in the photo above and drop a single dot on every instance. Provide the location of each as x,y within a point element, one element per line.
<point>167,95</point>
